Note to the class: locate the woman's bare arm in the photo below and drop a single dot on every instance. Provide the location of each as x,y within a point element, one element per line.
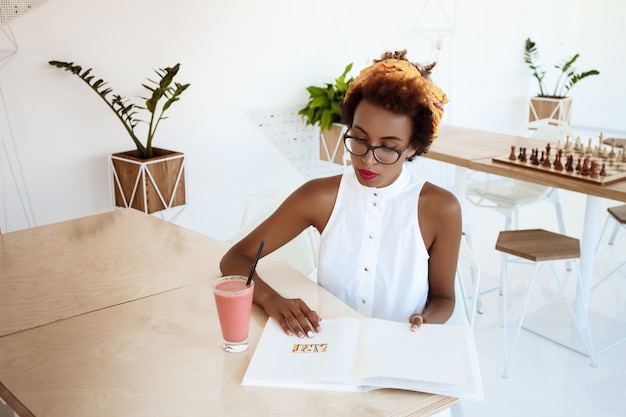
<point>309,205</point>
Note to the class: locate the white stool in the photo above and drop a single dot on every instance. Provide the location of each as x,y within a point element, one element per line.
<point>541,247</point>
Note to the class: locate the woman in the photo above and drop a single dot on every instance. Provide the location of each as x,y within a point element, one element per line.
<point>389,241</point>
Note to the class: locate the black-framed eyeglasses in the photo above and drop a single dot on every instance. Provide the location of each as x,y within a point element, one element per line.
<point>360,147</point>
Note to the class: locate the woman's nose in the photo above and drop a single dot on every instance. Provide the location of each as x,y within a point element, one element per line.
<point>368,158</point>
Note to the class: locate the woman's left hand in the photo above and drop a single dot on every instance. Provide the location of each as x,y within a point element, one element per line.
<point>416,321</point>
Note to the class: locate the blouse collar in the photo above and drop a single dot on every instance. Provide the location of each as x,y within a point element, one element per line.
<point>390,190</point>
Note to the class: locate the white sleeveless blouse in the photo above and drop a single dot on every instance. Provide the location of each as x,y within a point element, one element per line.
<point>372,255</point>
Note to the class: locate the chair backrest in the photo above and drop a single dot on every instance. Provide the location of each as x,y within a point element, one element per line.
<point>301,252</point>
<point>466,287</point>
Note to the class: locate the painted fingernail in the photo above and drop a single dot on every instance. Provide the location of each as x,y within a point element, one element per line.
<point>309,333</point>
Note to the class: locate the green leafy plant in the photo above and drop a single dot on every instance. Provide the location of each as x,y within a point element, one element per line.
<point>567,78</point>
<point>323,106</point>
<point>126,112</point>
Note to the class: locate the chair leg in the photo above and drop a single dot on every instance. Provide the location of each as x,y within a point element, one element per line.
<point>614,234</point>
<point>586,338</point>
<point>609,274</point>
<point>559,211</point>
<point>606,222</point>
<point>508,356</point>
<point>457,410</point>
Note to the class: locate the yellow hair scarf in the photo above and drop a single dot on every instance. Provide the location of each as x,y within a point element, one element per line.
<point>407,72</point>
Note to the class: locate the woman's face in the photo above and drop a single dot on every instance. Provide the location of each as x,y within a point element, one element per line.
<point>376,126</point>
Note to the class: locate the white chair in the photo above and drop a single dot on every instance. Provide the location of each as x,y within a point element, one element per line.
<point>507,196</point>
<point>466,287</point>
<point>618,215</point>
<point>301,252</point>
<point>6,411</point>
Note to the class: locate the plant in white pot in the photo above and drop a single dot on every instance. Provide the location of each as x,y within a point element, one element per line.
<point>323,109</point>
<point>147,178</point>
<point>553,104</point>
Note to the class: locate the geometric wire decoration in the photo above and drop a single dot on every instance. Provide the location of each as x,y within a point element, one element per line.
<point>12,9</point>
<point>9,11</point>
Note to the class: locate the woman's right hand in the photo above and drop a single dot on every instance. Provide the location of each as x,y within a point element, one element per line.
<point>294,316</point>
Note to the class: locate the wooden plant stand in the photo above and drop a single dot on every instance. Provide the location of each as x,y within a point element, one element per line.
<point>547,110</point>
<point>331,144</point>
<point>149,185</point>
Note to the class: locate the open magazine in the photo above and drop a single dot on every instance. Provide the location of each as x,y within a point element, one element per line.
<point>362,354</point>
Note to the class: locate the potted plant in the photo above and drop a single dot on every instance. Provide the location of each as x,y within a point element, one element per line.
<point>323,110</point>
<point>146,178</point>
<point>553,104</point>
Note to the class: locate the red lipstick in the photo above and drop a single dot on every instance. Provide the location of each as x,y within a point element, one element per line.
<point>367,175</point>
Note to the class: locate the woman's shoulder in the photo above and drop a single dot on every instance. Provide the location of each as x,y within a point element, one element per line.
<point>317,192</point>
<point>322,185</point>
<point>315,199</point>
<point>435,196</point>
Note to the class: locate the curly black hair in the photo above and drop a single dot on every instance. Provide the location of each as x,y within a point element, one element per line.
<point>398,97</point>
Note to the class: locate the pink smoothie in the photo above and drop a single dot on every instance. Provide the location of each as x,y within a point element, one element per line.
<point>234,303</point>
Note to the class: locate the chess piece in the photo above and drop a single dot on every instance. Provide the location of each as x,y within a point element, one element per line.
<point>579,166</point>
<point>577,144</point>
<point>593,171</point>
<point>558,165</point>
<point>568,145</point>
<point>534,156</point>
<point>612,152</point>
<point>603,170</point>
<point>569,163</point>
<point>546,160</point>
<point>585,168</point>
<point>522,156</point>
<point>512,154</point>
<point>589,149</point>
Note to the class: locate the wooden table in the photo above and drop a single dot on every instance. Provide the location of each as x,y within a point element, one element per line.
<point>470,149</point>
<point>118,339</point>
<point>70,268</point>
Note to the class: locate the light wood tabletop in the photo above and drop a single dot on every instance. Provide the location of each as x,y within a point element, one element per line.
<point>69,268</point>
<point>459,145</point>
<point>475,149</point>
<point>153,350</point>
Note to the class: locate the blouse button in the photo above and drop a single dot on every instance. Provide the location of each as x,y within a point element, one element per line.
<point>374,204</point>
<point>366,269</point>
<point>363,300</point>
<point>371,236</point>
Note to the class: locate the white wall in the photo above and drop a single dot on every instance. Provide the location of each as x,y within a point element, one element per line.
<point>246,56</point>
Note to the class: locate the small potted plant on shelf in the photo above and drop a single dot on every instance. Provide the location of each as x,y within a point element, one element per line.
<point>553,104</point>
<point>323,110</point>
<point>146,178</point>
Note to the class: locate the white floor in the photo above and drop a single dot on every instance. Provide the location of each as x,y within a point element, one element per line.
<point>546,379</point>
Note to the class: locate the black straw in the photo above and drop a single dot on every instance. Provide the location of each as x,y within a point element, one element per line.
<point>256,259</point>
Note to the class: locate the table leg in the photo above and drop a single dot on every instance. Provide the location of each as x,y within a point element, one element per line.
<point>587,253</point>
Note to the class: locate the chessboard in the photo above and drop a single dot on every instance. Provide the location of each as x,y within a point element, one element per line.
<point>600,164</point>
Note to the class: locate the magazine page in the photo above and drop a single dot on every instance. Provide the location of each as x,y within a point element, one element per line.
<point>439,359</point>
<point>324,362</point>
